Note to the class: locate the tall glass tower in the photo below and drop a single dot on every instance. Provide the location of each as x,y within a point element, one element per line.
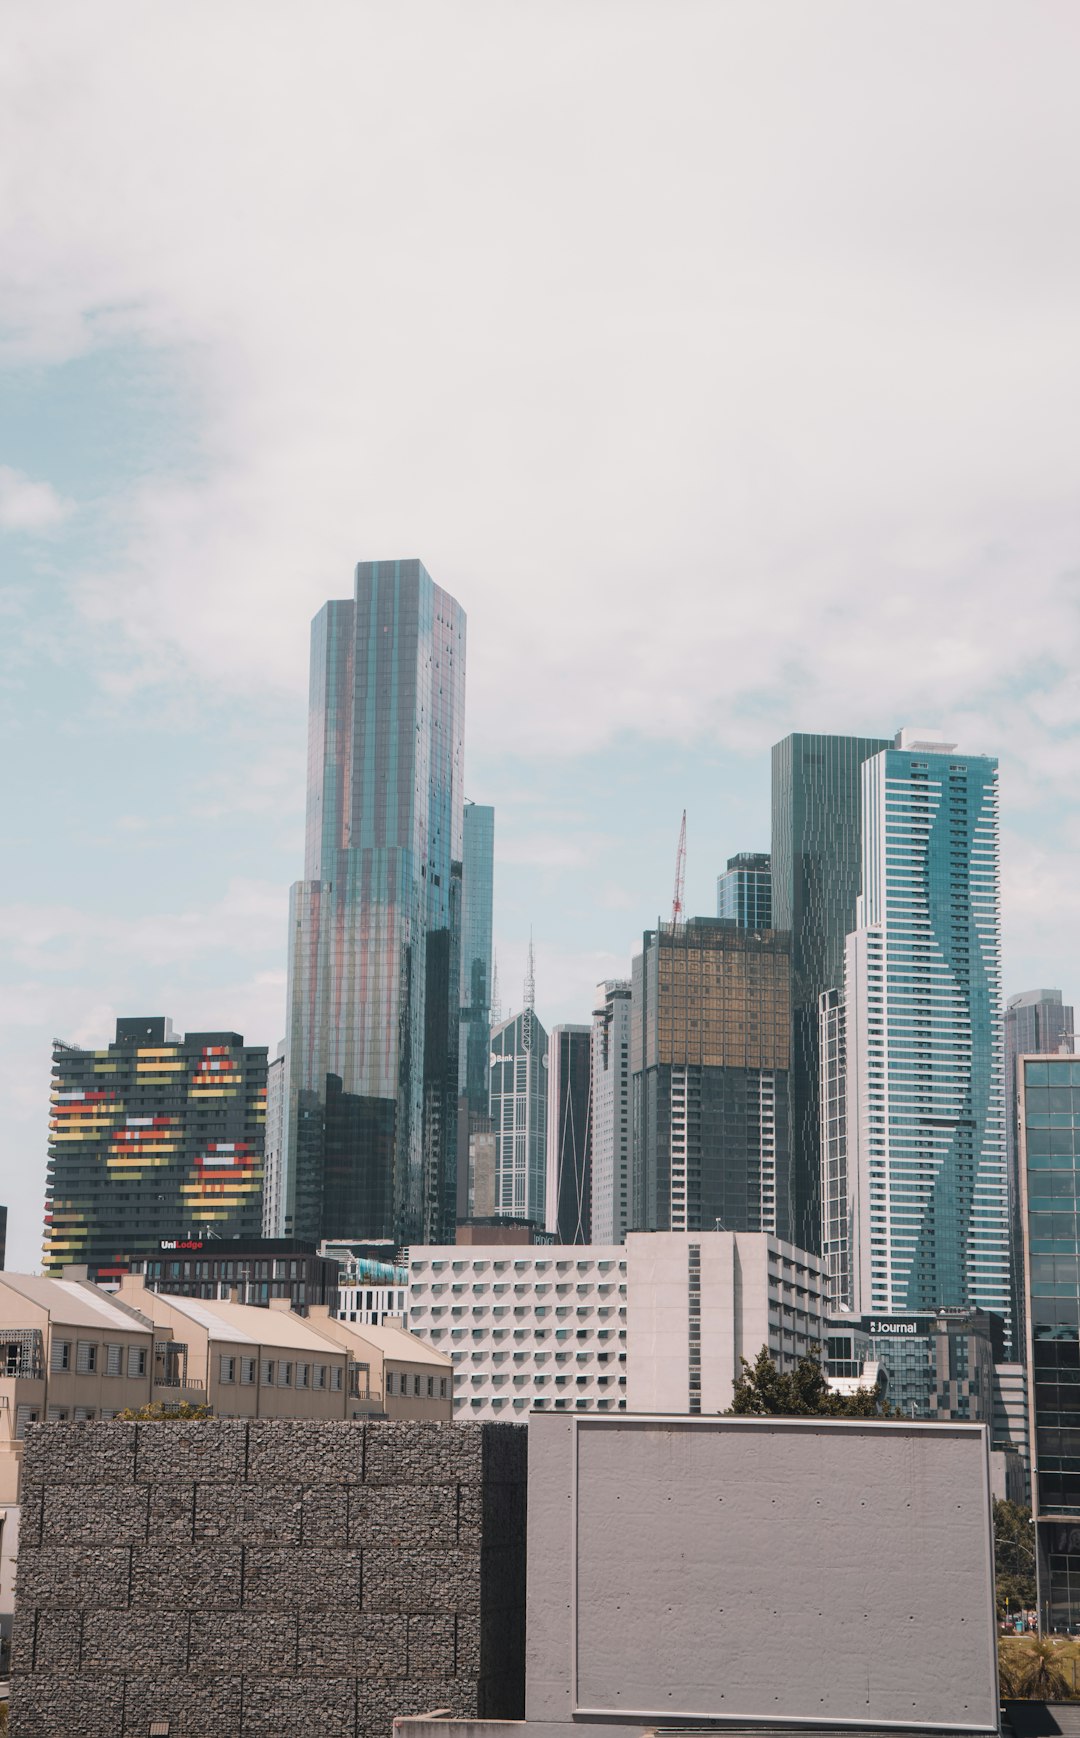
<point>371,1069</point>
<point>1037,1023</point>
<point>815,883</point>
<point>478,876</point>
<point>925,1081</point>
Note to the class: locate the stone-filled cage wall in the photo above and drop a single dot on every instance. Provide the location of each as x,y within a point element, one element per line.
<point>261,1579</point>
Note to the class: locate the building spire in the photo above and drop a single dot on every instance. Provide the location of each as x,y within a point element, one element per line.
<point>530,976</point>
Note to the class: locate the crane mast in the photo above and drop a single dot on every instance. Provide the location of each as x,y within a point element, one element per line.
<point>680,875</point>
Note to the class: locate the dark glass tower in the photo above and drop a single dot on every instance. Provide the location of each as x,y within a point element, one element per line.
<point>1037,1023</point>
<point>478,875</point>
<point>159,1136</point>
<point>569,1134</point>
<point>815,863</point>
<point>371,1069</point>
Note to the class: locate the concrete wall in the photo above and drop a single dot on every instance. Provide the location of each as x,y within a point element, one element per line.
<point>266,1578</point>
<point>759,1570</point>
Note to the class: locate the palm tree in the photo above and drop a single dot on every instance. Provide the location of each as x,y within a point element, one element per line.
<point>1008,1670</point>
<point>1041,1676</point>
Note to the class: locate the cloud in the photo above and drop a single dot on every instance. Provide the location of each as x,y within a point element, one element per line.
<point>724,398</point>
<point>250,917</point>
<point>29,506</point>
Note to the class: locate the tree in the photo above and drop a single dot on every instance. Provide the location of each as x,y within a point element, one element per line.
<point>1014,1557</point>
<point>1041,1677</point>
<point>158,1410</point>
<point>763,1391</point>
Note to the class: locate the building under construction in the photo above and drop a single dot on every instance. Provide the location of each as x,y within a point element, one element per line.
<point>709,1059</point>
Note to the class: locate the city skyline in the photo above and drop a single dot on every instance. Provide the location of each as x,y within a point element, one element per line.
<point>733,406</point>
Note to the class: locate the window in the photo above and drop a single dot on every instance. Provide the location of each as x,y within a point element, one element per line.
<point>337,1378</point>
<point>319,1376</point>
<point>389,1381</point>
<point>86,1358</point>
<point>268,1372</point>
<point>301,1375</point>
<point>416,1385</point>
<point>285,1375</point>
<point>114,1360</point>
<point>136,1361</point>
<point>226,1369</point>
<point>431,1387</point>
<point>57,1414</point>
<point>60,1358</point>
<point>247,1370</point>
<point>442,1387</point>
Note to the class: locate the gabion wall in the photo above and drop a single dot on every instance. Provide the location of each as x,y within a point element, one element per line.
<point>267,1579</point>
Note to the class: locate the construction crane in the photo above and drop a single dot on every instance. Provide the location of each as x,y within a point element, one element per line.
<point>680,875</point>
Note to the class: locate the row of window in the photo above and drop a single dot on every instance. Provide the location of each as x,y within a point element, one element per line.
<point>282,1373</point>
<point>87,1358</point>
<point>400,1383</point>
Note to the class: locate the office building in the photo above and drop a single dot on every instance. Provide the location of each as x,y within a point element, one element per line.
<point>273,1218</point>
<point>1048,1124</point>
<point>744,891</point>
<point>658,1324</point>
<point>156,1136</point>
<point>519,1112</point>
<point>474,1047</point>
<point>569,1134</point>
<point>925,1124</point>
<point>611,1118</point>
<point>938,1365</point>
<point>1037,1023</point>
<point>371,1054</point>
<point>814,870</point>
<point>477,903</point>
<point>709,1048</point>
<point>246,1270</point>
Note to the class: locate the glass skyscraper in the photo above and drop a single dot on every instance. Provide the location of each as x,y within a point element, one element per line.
<point>610,1121</point>
<point>477,892</point>
<point>1037,1023</point>
<point>371,1060</point>
<point>814,866</point>
<point>1049,1136</point>
<point>569,1134</point>
<point>519,1116</point>
<point>922,1015</point>
<point>744,891</point>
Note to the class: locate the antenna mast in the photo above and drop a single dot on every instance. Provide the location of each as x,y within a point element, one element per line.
<point>680,875</point>
<point>530,977</point>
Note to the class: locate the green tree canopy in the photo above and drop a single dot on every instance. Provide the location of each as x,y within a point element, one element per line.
<point>763,1391</point>
<point>1014,1557</point>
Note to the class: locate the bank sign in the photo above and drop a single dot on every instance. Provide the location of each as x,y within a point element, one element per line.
<point>897,1327</point>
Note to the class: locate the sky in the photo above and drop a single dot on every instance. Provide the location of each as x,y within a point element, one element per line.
<point>722,359</point>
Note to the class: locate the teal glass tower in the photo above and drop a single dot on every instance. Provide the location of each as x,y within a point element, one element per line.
<point>1048,1126</point>
<point>815,884</point>
<point>923,1016</point>
<point>371,1058</point>
<point>744,891</point>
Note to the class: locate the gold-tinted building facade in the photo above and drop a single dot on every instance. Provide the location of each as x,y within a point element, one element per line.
<point>709,1056</point>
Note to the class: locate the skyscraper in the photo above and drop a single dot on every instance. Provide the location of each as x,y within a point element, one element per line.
<point>611,1122</point>
<point>157,1136</point>
<point>371,1060</point>
<point>518,1100</point>
<point>744,891</point>
<point>815,881</point>
<point>569,1134</point>
<point>709,1047</point>
<point>1037,1022</point>
<point>477,889</point>
<point>925,1099</point>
